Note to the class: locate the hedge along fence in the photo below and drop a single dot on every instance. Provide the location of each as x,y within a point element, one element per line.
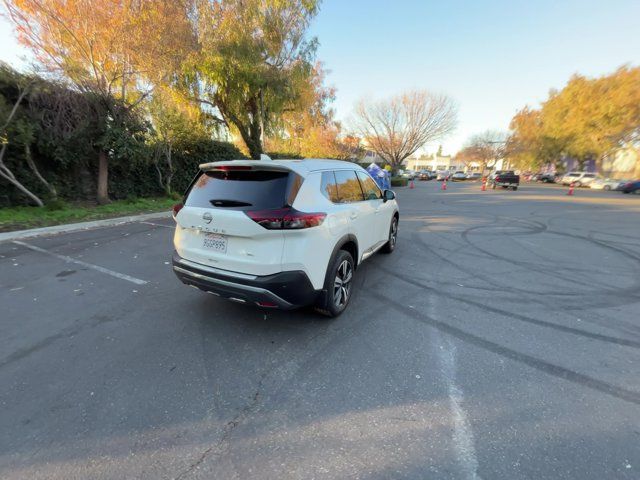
<point>133,176</point>
<point>62,131</point>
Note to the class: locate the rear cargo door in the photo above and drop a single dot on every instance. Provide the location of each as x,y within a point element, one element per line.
<point>213,227</point>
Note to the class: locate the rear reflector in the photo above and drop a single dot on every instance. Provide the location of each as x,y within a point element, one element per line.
<point>286,218</point>
<point>267,304</point>
<point>176,208</point>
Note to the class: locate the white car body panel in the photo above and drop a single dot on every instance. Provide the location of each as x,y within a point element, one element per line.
<point>254,250</point>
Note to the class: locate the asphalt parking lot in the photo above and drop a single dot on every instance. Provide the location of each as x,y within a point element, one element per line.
<point>500,341</point>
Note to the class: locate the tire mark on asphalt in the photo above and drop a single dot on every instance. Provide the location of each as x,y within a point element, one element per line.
<point>485,278</point>
<point>528,265</point>
<point>518,316</point>
<point>45,342</point>
<point>533,362</point>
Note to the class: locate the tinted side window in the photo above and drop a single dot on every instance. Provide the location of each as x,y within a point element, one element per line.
<point>328,186</point>
<point>349,190</point>
<point>370,188</point>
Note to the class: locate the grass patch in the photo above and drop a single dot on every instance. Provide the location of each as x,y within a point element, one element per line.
<point>19,218</point>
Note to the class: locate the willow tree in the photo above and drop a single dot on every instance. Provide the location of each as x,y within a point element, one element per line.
<point>254,62</point>
<point>116,51</point>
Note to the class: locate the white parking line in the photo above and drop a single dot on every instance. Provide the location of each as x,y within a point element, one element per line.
<point>462,432</point>
<point>97,268</point>
<point>157,224</point>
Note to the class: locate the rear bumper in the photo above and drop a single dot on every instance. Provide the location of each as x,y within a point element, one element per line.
<point>285,290</point>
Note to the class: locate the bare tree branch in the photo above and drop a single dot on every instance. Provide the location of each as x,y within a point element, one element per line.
<point>395,128</point>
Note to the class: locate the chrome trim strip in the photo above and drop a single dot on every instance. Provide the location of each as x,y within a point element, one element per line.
<point>219,271</point>
<point>367,254</point>
<point>239,286</point>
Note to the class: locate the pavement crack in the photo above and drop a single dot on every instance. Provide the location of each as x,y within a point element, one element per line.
<point>222,445</point>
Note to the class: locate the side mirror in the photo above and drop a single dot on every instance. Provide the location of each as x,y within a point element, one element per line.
<point>388,195</point>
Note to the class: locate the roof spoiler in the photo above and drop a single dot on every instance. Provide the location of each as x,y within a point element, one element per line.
<point>214,165</point>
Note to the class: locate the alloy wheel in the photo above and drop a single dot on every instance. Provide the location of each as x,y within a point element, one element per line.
<point>342,284</point>
<point>393,235</point>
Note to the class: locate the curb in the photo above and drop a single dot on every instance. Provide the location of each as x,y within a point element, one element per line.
<point>75,227</point>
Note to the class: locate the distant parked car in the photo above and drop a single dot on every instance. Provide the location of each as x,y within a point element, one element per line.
<point>424,175</point>
<point>443,175</point>
<point>409,174</point>
<point>504,179</point>
<point>458,176</point>
<point>474,176</point>
<point>579,179</point>
<point>546,178</point>
<point>607,184</point>
<point>631,187</point>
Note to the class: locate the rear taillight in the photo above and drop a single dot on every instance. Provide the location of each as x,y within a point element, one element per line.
<point>176,208</point>
<point>286,219</point>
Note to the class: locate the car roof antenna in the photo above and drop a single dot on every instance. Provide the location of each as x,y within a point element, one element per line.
<point>264,157</point>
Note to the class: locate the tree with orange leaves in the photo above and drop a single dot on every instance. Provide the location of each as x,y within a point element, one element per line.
<point>116,50</point>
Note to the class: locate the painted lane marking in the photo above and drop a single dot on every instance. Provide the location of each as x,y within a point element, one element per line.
<point>463,440</point>
<point>462,431</point>
<point>97,268</point>
<point>158,225</point>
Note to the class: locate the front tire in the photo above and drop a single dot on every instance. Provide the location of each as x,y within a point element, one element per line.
<point>338,285</point>
<point>390,246</point>
<point>607,187</point>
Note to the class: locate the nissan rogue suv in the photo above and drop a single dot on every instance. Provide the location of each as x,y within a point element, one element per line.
<point>281,233</point>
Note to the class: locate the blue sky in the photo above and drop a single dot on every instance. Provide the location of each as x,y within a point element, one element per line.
<point>492,57</point>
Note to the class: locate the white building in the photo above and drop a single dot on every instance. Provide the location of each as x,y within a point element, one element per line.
<point>434,162</point>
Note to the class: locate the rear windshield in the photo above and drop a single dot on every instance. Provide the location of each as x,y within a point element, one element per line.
<point>244,190</point>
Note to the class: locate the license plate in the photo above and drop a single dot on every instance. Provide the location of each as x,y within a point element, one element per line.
<point>214,241</point>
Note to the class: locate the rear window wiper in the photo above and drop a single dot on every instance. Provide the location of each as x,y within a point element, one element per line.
<point>221,202</point>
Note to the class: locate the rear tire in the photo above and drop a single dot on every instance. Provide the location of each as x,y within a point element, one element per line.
<point>390,246</point>
<point>514,188</point>
<point>338,284</point>
<point>607,187</point>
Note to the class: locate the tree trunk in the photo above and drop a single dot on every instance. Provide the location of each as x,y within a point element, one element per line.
<point>103,178</point>
<point>36,172</point>
<point>167,187</point>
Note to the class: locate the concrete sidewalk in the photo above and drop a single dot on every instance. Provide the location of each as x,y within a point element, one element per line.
<point>74,227</point>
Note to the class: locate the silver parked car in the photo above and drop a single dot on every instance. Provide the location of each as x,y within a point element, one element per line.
<point>579,179</point>
<point>607,184</point>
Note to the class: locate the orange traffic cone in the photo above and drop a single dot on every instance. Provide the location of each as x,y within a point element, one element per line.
<point>444,185</point>
<point>411,185</point>
<point>484,184</point>
<point>570,192</point>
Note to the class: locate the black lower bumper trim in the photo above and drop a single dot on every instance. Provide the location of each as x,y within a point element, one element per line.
<point>285,290</point>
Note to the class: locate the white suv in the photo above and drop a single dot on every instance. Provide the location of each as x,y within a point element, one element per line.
<point>281,233</point>
<point>579,179</point>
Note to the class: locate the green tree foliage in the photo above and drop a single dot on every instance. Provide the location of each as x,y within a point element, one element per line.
<point>62,130</point>
<point>254,63</point>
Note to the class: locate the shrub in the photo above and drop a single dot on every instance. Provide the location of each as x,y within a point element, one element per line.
<point>399,182</point>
